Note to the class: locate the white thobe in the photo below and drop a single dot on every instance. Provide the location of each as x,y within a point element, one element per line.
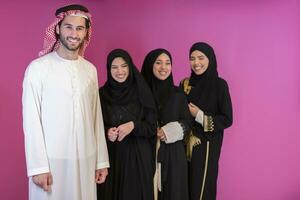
<point>63,127</point>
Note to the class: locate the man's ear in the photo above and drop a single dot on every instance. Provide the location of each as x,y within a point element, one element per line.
<point>57,29</point>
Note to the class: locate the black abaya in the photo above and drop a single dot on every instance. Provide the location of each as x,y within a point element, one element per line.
<point>132,160</point>
<point>171,106</point>
<point>211,94</point>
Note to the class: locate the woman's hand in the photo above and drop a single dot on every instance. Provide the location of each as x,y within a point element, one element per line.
<point>112,134</point>
<point>161,134</point>
<point>124,130</point>
<point>193,109</point>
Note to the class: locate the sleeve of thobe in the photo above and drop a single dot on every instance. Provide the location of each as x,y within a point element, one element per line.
<point>35,149</point>
<point>102,153</point>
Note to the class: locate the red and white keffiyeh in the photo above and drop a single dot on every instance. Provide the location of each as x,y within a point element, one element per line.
<point>51,42</point>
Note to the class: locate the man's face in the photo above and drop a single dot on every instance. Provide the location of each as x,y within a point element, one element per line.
<point>72,32</point>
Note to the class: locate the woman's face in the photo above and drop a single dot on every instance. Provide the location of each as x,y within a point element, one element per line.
<point>199,62</point>
<point>162,67</point>
<point>119,70</point>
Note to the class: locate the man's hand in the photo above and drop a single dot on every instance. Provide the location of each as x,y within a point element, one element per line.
<point>100,175</point>
<point>124,130</point>
<point>43,180</point>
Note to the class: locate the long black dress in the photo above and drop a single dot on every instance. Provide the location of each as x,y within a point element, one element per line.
<point>211,94</point>
<point>172,107</point>
<point>132,159</point>
<point>172,155</point>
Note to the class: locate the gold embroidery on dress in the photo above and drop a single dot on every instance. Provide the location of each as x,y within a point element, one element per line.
<point>190,140</point>
<point>186,87</point>
<point>208,123</point>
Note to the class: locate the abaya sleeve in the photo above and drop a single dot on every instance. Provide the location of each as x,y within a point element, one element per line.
<point>146,125</point>
<point>223,118</point>
<point>185,119</point>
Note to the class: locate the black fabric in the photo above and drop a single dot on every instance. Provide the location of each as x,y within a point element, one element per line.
<point>197,168</point>
<point>172,156</point>
<point>211,94</point>
<point>204,95</point>
<point>132,160</point>
<point>71,7</point>
<point>205,88</point>
<point>123,93</point>
<point>172,107</point>
<point>161,89</point>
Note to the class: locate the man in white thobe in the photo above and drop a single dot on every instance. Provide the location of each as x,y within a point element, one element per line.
<point>65,146</point>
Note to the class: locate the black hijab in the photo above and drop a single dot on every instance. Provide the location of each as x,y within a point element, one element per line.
<point>161,89</point>
<point>204,93</point>
<point>133,90</point>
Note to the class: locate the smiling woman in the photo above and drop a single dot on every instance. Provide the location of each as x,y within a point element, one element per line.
<point>210,105</point>
<point>119,69</point>
<point>130,126</point>
<point>162,66</point>
<point>199,62</point>
<point>174,121</point>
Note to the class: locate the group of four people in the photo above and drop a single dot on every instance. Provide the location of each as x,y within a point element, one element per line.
<point>143,127</point>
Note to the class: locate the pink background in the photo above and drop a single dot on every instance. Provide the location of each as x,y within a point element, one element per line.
<point>256,42</point>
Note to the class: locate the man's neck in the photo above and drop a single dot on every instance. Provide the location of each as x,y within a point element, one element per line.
<point>66,54</point>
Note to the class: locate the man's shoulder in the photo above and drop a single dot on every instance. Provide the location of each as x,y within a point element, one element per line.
<point>40,61</point>
<point>88,64</point>
<point>39,65</point>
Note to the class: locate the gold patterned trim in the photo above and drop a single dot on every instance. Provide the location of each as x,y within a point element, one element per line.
<point>186,87</point>
<point>208,123</point>
<point>191,141</point>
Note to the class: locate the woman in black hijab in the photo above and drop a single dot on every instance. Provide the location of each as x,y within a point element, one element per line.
<point>210,105</point>
<point>174,122</point>
<point>130,126</point>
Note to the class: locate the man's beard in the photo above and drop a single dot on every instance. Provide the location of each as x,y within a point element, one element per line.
<point>64,42</point>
